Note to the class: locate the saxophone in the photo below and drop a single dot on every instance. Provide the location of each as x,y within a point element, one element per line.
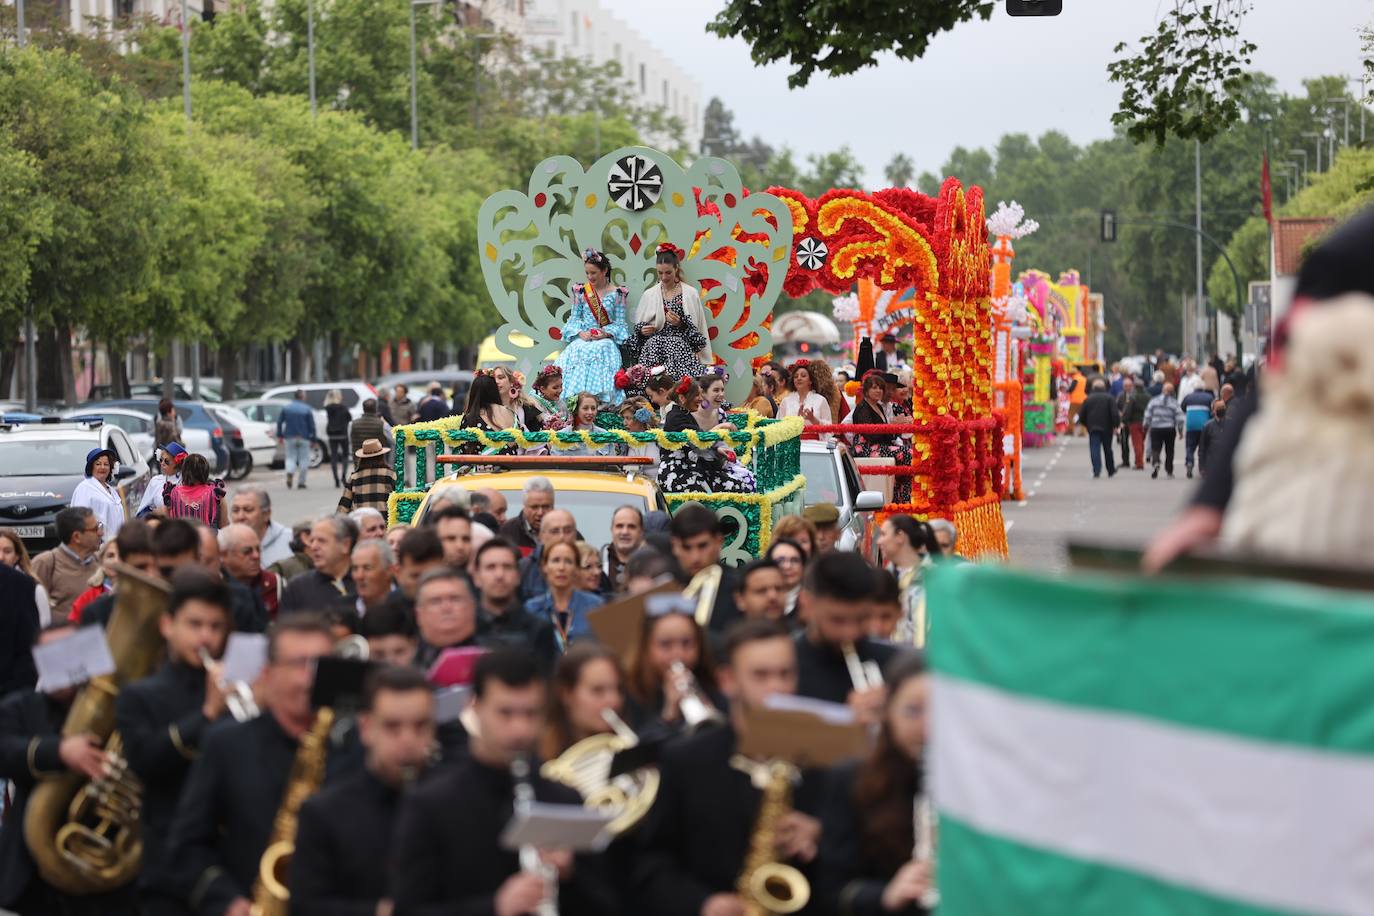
<point>271,896</point>
<point>84,835</point>
<point>766,885</point>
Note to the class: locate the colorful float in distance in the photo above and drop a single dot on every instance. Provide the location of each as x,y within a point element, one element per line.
<point>900,240</point>
<point>1011,327</point>
<point>1066,337</point>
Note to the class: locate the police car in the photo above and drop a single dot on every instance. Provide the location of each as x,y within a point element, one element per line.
<point>42,459</point>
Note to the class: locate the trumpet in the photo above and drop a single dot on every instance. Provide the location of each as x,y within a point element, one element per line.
<point>925,824</point>
<point>530,861</point>
<point>696,711</point>
<point>238,696</point>
<point>864,675</point>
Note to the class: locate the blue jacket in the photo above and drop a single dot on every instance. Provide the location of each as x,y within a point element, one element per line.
<point>296,420</point>
<point>581,604</point>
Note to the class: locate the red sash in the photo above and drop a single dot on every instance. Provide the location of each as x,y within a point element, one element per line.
<point>599,312</point>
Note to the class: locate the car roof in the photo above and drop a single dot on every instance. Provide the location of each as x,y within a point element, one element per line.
<point>314,386</point>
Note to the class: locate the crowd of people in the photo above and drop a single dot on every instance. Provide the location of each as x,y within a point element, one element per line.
<point>414,801</point>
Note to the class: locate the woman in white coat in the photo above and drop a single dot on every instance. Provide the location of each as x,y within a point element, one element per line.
<point>670,323</point>
<point>805,401</point>
<point>98,494</point>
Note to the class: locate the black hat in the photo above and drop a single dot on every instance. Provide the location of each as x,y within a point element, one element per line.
<point>888,338</point>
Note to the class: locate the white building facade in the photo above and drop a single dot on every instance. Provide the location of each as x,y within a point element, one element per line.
<point>582,28</point>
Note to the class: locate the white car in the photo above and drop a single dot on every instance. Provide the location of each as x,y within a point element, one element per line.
<point>354,393</point>
<point>259,437</point>
<point>267,412</point>
<point>139,426</point>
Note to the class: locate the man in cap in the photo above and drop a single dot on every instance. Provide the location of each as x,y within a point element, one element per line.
<point>826,518</point>
<point>169,459</point>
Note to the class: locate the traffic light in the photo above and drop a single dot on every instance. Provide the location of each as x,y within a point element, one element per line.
<point>1109,225</point>
<point>1034,7</point>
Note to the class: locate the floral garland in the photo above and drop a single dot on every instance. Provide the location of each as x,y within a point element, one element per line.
<point>756,507</point>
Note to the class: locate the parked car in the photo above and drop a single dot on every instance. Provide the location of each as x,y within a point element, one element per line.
<point>258,438</point>
<point>193,416</point>
<point>832,477</point>
<point>354,392</point>
<point>182,388</point>
<point>139,425</point>
<point>456,383</point>
<point>267,412</point>
<point>42,459</point>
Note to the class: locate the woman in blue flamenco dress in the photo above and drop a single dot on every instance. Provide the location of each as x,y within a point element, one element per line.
<point>596,328</point>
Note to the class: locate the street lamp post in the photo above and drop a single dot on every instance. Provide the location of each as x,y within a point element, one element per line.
<point>1361,82</point>
<point>1303,154</point>
<point>186,105</point>
<point>19,31</point>
<point>30,347</point>
<point>414,102</point>
<point>1319,138</point>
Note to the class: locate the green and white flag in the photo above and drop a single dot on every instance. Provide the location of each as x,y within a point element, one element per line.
<point>1131,746</point>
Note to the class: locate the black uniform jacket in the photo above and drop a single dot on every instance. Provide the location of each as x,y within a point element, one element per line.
<point>823,673</point>
<point>697,835</point>
<point>30,723</point>
<point>162,725</point>
<point>314,591</point>
<point>851,883</point>
<point>343,862</point>
<point>448,847</point>
<point>224,819</point>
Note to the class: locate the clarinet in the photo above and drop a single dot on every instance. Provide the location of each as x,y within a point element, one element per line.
<point>530,862</point>
<point>923,813</point>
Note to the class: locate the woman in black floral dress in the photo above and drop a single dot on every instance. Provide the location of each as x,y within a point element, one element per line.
<point>670,323</point>
<point>698,470</point>
<point>871,445</point>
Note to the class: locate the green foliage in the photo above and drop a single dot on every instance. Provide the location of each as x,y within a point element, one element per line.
<point>25,221</point>
<point>836,37</point>
<point>1187,79</point>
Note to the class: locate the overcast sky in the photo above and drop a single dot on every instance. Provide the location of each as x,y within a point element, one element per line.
<point>979,81</point>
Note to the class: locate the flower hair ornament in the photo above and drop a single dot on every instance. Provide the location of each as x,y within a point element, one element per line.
<point>656,371</point>
<point>644,415</point>
<point>801,364</point>
<point>547,373</point>
<point>683,385</point>
<point>720,371</point>
<point>593,256</point>
<point>670,248</point>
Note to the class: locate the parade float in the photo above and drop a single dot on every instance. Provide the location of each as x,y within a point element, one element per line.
<point>742,250</point>
<point>1010,328</point>
<point>1066,336</point>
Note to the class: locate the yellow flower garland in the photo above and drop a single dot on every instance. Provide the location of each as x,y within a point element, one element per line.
<point>766,500</point>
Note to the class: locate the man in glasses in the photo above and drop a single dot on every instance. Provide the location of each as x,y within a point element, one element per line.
<point>65,571</point>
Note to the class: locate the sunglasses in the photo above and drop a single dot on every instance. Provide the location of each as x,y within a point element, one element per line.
<point>661,605</point>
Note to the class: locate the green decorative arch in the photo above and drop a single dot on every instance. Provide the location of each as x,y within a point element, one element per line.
<point>626,204</point>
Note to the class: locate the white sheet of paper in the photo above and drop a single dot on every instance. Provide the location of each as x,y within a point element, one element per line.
<point>449,703</point>
<point>551,826</point>
<point>244,657</point>
<point>73,660</point>
<point>834,713</point>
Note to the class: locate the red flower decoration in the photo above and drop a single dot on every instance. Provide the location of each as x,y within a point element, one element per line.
<point>683,385</point>
<point>622,379</point>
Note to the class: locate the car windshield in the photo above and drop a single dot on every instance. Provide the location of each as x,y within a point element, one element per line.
<point>822,479</point>
<point>592,510</point>
<point>43,457</point>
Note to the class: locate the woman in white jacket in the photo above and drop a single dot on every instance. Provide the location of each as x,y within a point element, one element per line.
<point>670,323</point>
<point>98,494</point>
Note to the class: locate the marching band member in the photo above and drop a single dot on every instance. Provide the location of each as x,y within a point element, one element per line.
<point>868,835</point>
<point>342,864</point>
<point>653,687</point>
<point>586,682</point>
<point>698,833</point>
<point>164,717</point>
<point>235,788</point>
<point>697,539</point>
<point>832,651</point>
<point>448,836</point>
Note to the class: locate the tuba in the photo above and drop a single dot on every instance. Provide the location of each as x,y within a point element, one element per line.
<point>766,885</point>
<point>586,767</point>
<point>84,835</point>
<point>271,896</point>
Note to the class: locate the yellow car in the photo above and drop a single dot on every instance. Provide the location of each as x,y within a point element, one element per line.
<point>592,496</point>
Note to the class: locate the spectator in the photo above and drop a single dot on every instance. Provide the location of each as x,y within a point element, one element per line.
<point>336,421</point>
<point>557,527</point>
<point>167,427</point>
<point>1211,435</point>
<point>884,615</point>
<point>1098,416</point>
<point>761,590</point>
<point>825,522</point>
<point>372,482</point>
<point>390,634</point>
<point>418,553</point>
<point>563,604</point>
<point>296,427</point>
<point>98,493</point>
<point>627,536</point>
<point>446,614</point>
<point>646,568</point>
<point>19,629</point>
<point>523,530</point>
<point>403,410</point>
<point>589,575</point>
<point>64,571</point>
<point>946,535</point>
<point>762,397</point>
<point>1164,419</point>
<point>101,581</point>
<point>250,611</point>
<point>434,406</point>
<point>1197,413</point>
<point>1132,409</point>
<point>369,426</point>
<point>394,534</point>
<point>502,617</point>
<point>797,529</point>
<point>14,554</point>
<point>488,507</point>
<point>373,569</point>
<point>907,545</point>
<point>330,584</point>
<point>252,506</point>
<point>241,552</point>
<point>790,557</point>
<point>133,547</point>
<point>1188,380</point>
<point>453,524</point>
<point>1156,384</point>
<point>196,497</point>
<point>371,523</point>
<point>169,460</point>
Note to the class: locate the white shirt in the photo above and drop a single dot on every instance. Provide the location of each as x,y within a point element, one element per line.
<point>104,501</point>
<point>1188,384</point>
<point>152,496</point>
<point>792,406</point>
<point>276,544</point>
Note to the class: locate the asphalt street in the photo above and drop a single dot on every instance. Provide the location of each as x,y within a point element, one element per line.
<point>1063,500</point>
<point>320,496</point>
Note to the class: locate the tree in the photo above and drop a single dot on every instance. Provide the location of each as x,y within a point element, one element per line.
<point>839,38</point>
<point>899,171</point>
<point>1188,76</point>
